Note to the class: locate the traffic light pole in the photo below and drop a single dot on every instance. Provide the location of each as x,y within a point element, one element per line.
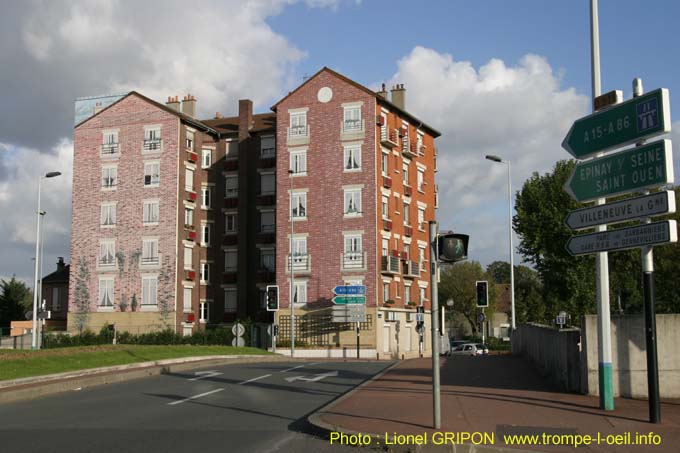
<point>357,340</point>
<point>434,318</point>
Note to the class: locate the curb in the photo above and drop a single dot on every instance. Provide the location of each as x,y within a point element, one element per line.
<point>39,386</point>
<point>315,420</point>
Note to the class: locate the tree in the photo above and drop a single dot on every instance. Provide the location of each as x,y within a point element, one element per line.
<point>529,306</point>
<point>458,283</point>
<point>15,299</point>
<point>81,296</point>
<point>499,271</point>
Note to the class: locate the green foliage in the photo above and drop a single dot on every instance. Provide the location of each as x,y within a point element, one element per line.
<point>81,295</point>
<point>499,271</point>
<point>15,300</point>
<point>161,337</point>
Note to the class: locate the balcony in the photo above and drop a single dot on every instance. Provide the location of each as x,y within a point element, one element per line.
<point>107,261</point>
<point>408,230</point>
<point>408,191</point>
<point>230,276</point>
<point>389,265</point>
<point>153,260</point>
<point>109,150</point>
<point>408,149</point>
<point>411,269</point>
<point>265,200</point>
<point>230,239</point>
<point>152,144</point>
<point>353,260</point>
<point>230,202</point>
<point>192,157</point>
<point>352,129</point>
<point>302,262</point>
<point>266,162</point>
<point>298,135</point>
<point>388,137</point>
<point>387,225</point>
<point>387,182</point>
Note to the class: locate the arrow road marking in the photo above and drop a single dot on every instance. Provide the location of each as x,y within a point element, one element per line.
<point>254,379</point>
<point>200,395</point>
<point>316,378</point>
<point>205,374</point>
<point>291,369</point>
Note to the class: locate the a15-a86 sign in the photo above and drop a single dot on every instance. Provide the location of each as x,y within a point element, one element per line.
<point>622,124</point>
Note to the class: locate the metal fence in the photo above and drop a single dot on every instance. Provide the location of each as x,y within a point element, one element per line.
<point>317,330</point>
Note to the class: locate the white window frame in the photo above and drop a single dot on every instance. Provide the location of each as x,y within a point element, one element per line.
<point>298,162</point>
<point>189,140</point>
<point>385,207</point>
<point>298,124</point>
<point>230,222</point>
<point>107,253</point>
<point>386,291</point>
<point>187,296</point>
<point>189,179</point>
<point>351,119</point>
<point>405,175</point>
<point>407,214</point>
<point>107,215</point>
<point>107,177</point>
<point>421,219</point>
<point>188,258</point>
<point>106,284</point>
<point>150,245</point>
<point>152,134</point>
<point>205,234</point>
<point>206,157</point>
<point>298,205</point>
<point>206,197</point>
<point>407,293</point>
<point>204,311</point>
<point>299,293</point>
<point>205,272</point>
<point>149,171</point>
<point>149,291</point>
<point>352,203</point>
<point>351,157</point>
<point>420,181</point>
<point>148,208</point>
<point>188,216</point>
<point>385,164</point>
<point>422,295</point>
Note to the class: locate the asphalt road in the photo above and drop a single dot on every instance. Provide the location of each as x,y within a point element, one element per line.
<point>256,407</point>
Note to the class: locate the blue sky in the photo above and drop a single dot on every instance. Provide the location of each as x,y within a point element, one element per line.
<point>496,77</point>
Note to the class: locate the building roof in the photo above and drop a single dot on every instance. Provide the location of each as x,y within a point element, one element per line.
<point>380,99</point>
<point>183,116</point>
<point>262,122</point>
<point>58,276</point>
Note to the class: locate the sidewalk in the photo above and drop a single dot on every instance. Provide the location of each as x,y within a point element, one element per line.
<point>494,394</point>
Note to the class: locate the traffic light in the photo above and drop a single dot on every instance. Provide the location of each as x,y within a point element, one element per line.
<point>482,293</point>
<point>272,298</point>
<point>452,247</point>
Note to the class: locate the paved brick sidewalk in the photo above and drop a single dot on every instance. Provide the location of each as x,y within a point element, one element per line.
<point>496,394</point>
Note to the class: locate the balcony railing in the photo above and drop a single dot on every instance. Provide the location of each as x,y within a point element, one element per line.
<point>107,261</point>
<point>387,224</point>
<point>298,131</point>
<point>152,144</point>
<point>353,126</point>
<point>148,260</point>
<point>408,230</point>
<point>353,260</point>
<point>408,191</point>
<point>389,265</point>
<point>109,149</point>
<point>387,182</point>
<point>388,137</point>
<point>408,149</point>
<point>300,261</point>
<point>411,269</point>
<point>109,183</point>
<point>266,153</point>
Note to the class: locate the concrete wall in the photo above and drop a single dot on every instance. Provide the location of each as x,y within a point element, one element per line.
<point>554,352</point>
<point>629,356</point>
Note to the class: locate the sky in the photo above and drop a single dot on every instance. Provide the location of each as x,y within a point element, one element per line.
<point>494,76</point>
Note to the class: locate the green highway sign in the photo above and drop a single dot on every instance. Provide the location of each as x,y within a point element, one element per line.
<point>642,117</point>
<point>632,170</point>
<point>624,238</point>
<point>345,300</point>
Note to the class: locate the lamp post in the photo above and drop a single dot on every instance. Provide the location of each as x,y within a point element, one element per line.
<point>292,272</point>
<point>512,257</point>
<point>36,290</point>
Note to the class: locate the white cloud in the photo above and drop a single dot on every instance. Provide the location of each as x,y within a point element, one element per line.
<point>519,112</point>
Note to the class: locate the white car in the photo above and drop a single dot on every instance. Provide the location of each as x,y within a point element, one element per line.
<point>465,349</point>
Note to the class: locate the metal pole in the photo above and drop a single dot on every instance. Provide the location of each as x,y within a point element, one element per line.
<point>292,272</point>
<point>512,252</point>
<point>35,282</point>
<point>647,254</point>
<point>483,325</point>
<point>41,301</point>
<point>434,318</point>
<point>357,340</point>
<point>606,387</point>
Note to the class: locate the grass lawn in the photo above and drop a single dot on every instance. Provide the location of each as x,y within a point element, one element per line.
<point>16,364</point>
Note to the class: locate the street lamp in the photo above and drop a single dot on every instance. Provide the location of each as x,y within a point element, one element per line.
<point>40,214</point>
<point>512,259</point>
<point>292,271</point>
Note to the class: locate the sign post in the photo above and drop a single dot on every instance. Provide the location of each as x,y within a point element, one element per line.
<point>350,306</point>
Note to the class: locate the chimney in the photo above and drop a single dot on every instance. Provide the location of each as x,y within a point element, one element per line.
<point>245,118</point>
<point>218,115</point>
<point>173,102</point>
<point>60,264</point>
<point>189,105</point>
<point>399,96</point>
<point>97,108</point>
<point>383,92</point>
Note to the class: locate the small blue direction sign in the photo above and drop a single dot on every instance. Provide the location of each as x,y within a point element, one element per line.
<point>347,290</point>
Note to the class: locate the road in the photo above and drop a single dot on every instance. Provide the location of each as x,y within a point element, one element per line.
<point>256,407</point>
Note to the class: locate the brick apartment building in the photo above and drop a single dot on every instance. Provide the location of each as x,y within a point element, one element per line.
<point>360,191</point>
<point>180,215</point>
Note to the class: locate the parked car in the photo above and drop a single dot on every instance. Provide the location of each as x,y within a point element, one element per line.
<point>482,349</point>
<point>465,349</point>
<point>456,343</point>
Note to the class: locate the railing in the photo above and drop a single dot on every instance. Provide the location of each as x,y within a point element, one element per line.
<point>388,137</point>
<point>150,180</point>
<point>411,269</point>
<point>387,224</point>
<point>108,183</point>
<point>109,149</point>
<point>107,261</point>
<point>150,260</point>
<point>389,264</point>
<point>300,262</point>
<point>408,149</point>
<point>353,126</point>
<point>298,131</point>
<point>152,144</point>
<point>354,260</point>
<point>266,153</point>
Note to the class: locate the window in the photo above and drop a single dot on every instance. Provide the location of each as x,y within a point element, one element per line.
<point>421,180</point>
<point>422,295</point>
<point>189,142</point>
<point>419,144</point>
<point>230,260</point>
<point>407,294</point>
<point>205,234</point>
<point>109,177</point>
<point>353,252</point>
<point>385,247</point>
<point>187,299</point>
<point>109,143</point>
<point>267,221</point>
<point>230,303</point>
<point>352,160</point>
<point>405,143</point>
<point>188,258</point>
<point>231,186</point>
<point>298,124</point>
<point>106,292</point>
<point>149,290</point>
<point>150,251</point>
<point>230,222</point>
<point>298,162</point>
<point>407,212</point>
<point>205,272</point>
<point>352,202</point>
<point>206,158</point>
<point>300,292</point>
<point>405,174</point>
<point>385,164</point>
<point>150,212</point>
<point>352,119</point>
<point>108,214</point>
<point>267,147</point>
<point>188,217</point>
<point>385,207</point>
<point>56,300</point>
<point>152,172</point>
<point>267,259</point>
<point>204,311</point>
<point>386,291</point>
<point>421,219</point>
<point>298,205</point>
<point>206,195</point>
<point>267,183</point>
<point>152,139</point>
<point>299,252</point>
<point>421,257</point>
<point>189,180</point>
<point>107,252</point>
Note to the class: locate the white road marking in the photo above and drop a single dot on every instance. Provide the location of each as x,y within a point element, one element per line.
<point>205,374</point>
<point>254,379</point>
<point>291,369</point>
<point>316,378</point>
<point>200,395</point>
